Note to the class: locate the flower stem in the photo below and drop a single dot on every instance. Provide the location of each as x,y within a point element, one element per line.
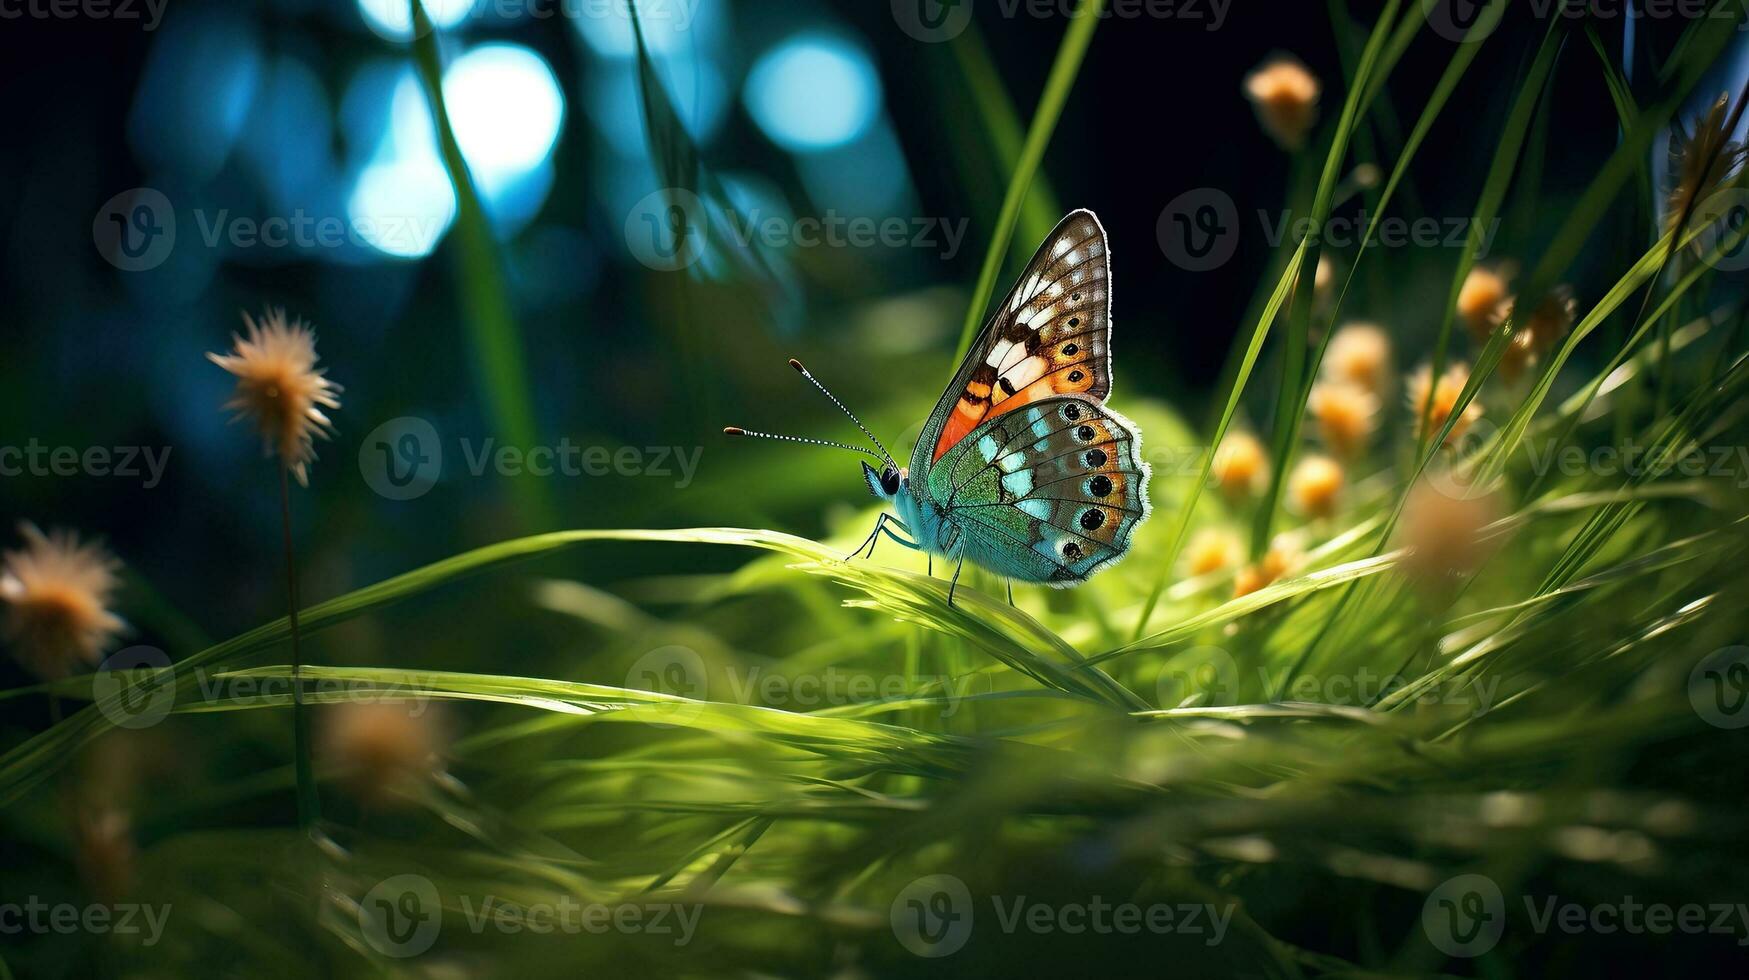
<point>309,806</point>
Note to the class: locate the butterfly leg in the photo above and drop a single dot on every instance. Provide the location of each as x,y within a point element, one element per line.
<point>956,581</point>
<point>880,528</point>
<point>1010,592</point>
<point>873,536</point>
<point>901,542</point>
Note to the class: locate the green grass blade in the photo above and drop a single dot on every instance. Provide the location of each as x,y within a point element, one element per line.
<point>486,309</point>
<point>1044,122</point>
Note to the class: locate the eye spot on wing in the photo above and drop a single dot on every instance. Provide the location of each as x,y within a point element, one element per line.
<point>1096,458</point>
<point>1092,519</point>
<point>1071,349</point>
<point>1072,551</point>
<point>1072,412</point>
<point>1085,433</point>
<point>1075,377</point>
<point>1099,486</point>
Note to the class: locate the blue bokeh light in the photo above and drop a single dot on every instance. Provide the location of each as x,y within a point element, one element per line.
<point>669,26</point>
<point>698,92</point>
<point>813,91</point>
<point>402,206</point>
<point>507,112</point>
<point>393,19</point>
<point>194,94</point>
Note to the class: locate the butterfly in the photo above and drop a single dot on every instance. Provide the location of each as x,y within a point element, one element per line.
<point>1021,468</point>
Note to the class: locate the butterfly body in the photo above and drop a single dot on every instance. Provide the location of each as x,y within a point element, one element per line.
<point>1021,468</point>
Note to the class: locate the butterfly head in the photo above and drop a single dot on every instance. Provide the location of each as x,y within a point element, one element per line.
<point>886,482</point>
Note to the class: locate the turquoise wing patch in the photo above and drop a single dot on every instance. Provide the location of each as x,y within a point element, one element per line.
<point>1050,493</point>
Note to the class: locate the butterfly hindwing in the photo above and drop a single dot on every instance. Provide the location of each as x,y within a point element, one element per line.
<point>1051,335</point>
<point>1048,493</point>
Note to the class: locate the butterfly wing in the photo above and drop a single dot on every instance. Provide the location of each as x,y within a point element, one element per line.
<point>1051,335</point>
<point>1049,493</point>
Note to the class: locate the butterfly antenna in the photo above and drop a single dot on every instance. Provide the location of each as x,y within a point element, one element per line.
<point>823,390</point>
<point>735,430</point>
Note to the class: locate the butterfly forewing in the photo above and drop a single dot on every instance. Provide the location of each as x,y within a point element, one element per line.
<point>1050,336</point>
<point>1049,493</point>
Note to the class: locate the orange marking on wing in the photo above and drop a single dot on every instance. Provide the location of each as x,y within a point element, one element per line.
<point>972,409</point>
<point>966,416</point>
